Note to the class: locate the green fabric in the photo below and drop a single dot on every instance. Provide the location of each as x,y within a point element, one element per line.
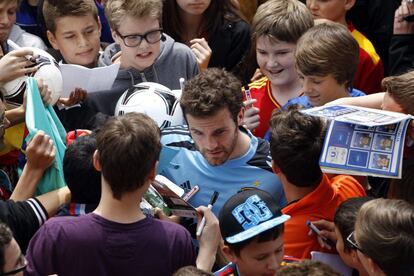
<point>39,117</point>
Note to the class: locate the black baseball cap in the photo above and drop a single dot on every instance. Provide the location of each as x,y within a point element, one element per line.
<point>247,214</point>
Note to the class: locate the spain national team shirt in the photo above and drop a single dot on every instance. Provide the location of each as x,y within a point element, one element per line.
<point>189,168</point>
<point>370,70</point>
<point>262,92</point>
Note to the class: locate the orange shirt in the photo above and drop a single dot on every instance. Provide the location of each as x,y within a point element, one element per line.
<point>319,204</point>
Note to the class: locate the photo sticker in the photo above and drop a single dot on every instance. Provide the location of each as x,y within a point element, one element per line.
<point>358,158</point>
<point>362,140</point>
<point>361,127</point>
<point>383,142</point>
<point>380,161</point>
<point>387,128</point>
<point>336,155</point>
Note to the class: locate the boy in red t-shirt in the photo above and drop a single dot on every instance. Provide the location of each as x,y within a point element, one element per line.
<point>277,26</point>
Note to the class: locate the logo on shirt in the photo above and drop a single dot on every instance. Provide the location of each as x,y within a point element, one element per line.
<point>186,186</point>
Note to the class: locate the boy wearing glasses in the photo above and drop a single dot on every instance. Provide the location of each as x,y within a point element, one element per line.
<point>141,48</point>
<point>12,260</point>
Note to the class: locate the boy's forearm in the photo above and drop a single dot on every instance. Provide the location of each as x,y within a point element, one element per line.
<point>27,184</point>
<point>51,201</point>
<point>16,115</point>
<point>205,259</point>
<point>370,101</point>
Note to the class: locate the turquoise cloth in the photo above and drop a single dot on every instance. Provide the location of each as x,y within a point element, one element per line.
<point>39,117</point>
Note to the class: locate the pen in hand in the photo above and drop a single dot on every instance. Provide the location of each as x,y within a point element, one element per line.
<point>203,220</point>
<point>17,47</point>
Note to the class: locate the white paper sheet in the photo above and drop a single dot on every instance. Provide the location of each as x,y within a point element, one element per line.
<point>333,260</point>
<point>92,80</point>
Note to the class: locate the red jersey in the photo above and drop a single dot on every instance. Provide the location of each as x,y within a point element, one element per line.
<point>262,92</point>
<point>370,70</point>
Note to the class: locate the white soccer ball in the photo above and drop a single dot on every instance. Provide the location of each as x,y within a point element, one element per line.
<point>154,100</point>
<point>48,71</point>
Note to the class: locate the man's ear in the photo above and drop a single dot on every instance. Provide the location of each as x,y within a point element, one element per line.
<point>96,163</point>
<point>229,254</point>
<point>52,39</point>
<point>275,168</point>
<point>349,4</point>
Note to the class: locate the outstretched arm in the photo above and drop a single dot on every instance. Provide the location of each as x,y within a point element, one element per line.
<point>209,240</point>
<point>40,154</point>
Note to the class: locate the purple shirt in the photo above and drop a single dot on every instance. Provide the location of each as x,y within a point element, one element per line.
<point>92,245</point>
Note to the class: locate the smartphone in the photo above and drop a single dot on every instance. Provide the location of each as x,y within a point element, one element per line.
<point>318,232</point>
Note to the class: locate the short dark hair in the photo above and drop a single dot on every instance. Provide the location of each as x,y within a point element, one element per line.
<point>210,91</point>
<point>128,148</point>
<point>308,268</point>
<point>6,236</point>
<point>345,217</point>
<point>83,180</point>
<point>56,9</point>
<point>296,142</point>
<point>268,235</point>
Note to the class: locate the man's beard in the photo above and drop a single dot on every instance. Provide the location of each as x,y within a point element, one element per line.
<point>225,152</point>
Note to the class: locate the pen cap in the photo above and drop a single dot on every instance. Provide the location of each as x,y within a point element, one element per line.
<point>247,214</point>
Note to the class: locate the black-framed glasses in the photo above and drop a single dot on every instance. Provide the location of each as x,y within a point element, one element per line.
<point>134,40</point>
<point>22,266</point>
<point>352,242</point>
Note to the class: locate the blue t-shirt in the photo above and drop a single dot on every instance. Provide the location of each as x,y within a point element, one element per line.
<point>303,100</point>
<point>189,168</point>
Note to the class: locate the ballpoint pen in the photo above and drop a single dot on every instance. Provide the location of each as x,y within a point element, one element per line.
<point>17,47</point>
